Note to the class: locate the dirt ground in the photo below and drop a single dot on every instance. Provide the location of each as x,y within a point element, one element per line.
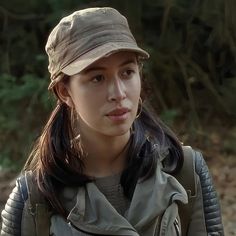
<point>221,161</point>
<point>224,175</point>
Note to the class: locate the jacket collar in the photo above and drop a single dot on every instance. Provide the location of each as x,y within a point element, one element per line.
<point>94,214</point>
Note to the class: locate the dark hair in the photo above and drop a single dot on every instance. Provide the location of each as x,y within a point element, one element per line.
<point>57,161</point>
<point>150,141</point>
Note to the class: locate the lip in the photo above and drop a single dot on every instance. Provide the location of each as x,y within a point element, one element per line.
<point>118,111</point>
<point>118,114</point>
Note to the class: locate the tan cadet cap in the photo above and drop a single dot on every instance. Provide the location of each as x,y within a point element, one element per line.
<point>84,37</point>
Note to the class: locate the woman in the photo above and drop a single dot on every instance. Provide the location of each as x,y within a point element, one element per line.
<point>104,165</point>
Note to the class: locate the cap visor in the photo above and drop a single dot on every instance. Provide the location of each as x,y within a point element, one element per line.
<point>99,52</point>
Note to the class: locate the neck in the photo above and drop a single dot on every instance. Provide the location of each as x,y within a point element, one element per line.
<point>106,155</point>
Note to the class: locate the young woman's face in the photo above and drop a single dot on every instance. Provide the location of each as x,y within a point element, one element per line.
<point>106,94</point>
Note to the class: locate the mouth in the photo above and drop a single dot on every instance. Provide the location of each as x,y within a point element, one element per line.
<point>119,114</point>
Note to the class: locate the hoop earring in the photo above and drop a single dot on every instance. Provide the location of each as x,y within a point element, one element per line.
<point>75,141</point>
<point>140,104</point>
<point>73,117</point>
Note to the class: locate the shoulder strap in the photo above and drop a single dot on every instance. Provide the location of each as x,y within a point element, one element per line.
<point>35,204</point>
<point>187,178</point>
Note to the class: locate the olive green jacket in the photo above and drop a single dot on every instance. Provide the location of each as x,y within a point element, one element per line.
<point>153,211</point>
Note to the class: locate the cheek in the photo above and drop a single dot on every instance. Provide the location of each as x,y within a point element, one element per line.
<point>135,88</point>
<point>85,101</point>
<point>87,104</point>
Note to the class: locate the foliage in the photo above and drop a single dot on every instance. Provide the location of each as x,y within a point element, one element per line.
<point>193,52</point>
<point>24,109</point>
<point>192,44</point>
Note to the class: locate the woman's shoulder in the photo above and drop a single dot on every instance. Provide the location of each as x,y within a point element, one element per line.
<point>12,213</point>
<point>196,158</point>
<point>194,171</point>
<point>208,196</point>
<point>195,163</point>
<point>23,207</point>
<point>199,164</point>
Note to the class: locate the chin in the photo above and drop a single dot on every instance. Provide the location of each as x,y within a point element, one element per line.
<point>119,131</point>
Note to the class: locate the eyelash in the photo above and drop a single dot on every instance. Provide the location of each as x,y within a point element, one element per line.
<point>102,77</point>
<point>130,72</point>
<point>94,79</point>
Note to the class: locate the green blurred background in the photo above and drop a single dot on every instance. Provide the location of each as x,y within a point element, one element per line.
<point>191,72</point>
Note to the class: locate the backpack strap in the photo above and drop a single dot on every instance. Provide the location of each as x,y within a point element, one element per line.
<point>187,177</point>
<point>35,204</point>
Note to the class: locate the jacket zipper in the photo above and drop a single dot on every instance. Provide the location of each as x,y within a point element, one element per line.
<point>157,229</point>
<point>177,229</point>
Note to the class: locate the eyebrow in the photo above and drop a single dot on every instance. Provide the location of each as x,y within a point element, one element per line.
<point>94,68</point>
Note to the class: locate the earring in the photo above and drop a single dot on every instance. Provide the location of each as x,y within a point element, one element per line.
<point>140,104</point>
<point>74,125</point>
<point>73,117</point>
<point>75,141</point>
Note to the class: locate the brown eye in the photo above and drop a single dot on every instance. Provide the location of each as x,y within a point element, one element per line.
<point>97,79</point>
<point>128,73</point>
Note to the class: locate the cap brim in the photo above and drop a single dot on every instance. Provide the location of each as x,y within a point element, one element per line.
<point>99,52</point>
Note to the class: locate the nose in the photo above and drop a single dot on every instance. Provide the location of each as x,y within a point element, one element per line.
<point>116,90</point>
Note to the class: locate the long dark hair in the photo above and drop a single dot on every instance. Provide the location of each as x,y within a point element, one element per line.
<point>151,140</point>
<point>57,162</point>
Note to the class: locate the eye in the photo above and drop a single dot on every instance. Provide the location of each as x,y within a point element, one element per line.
<point>128,73</point>
<point>97,79</point>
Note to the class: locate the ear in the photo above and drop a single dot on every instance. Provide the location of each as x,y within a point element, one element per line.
<point>63,93</point>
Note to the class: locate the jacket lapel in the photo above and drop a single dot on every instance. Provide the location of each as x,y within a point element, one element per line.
<point>94,214</point>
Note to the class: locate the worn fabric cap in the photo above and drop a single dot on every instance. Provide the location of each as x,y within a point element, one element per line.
<point>84,37</point>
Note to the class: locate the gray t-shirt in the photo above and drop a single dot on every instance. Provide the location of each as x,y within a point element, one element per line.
<point>110,186</point>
